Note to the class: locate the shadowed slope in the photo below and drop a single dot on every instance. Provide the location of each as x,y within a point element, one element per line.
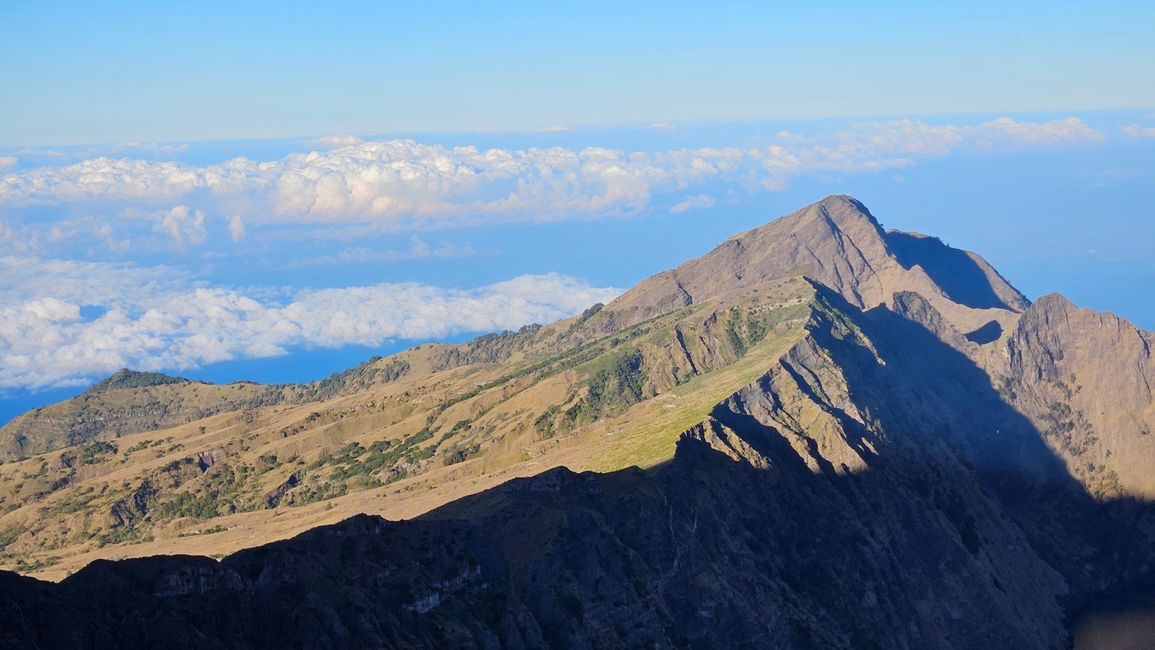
<point>964,276</point>
<point>871,490</point>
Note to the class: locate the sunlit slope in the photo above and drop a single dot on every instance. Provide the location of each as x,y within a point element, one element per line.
<point>402,447</point>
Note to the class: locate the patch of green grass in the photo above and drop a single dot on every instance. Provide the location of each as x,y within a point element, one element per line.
<point>650,439</point>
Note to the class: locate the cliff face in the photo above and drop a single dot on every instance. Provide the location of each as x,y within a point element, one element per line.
<point>929,461</point>
<point>1084,379</point>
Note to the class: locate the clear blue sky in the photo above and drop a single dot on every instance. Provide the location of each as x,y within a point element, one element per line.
<point>83,72</point>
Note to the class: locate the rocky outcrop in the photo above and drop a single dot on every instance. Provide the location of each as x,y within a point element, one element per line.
<point>1084,378</point>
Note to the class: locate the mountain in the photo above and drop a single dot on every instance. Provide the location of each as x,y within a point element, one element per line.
<point>819,434</point>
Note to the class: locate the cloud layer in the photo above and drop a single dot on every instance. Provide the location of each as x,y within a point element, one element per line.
<point>404,184</point>
<point>65,322</point>
<point>170,323</point>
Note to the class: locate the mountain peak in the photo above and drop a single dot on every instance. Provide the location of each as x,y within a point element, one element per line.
<point>838,242</point>
<point>843,208</point>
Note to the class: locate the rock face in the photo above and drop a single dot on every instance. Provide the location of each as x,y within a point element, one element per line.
<point>1084,378</point>
<point>838,243</point>
<point>933,463</point>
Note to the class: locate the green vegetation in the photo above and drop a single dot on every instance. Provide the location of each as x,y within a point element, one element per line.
<point>206,531</point>
<point>616,383</point>
<point>544,424</point>
<point>224,490</point>
<point>1066,427</point>
<point>353,460</point>
<point>365,375</point>
<point>97,452</point>
<point>733,324</point>
<point>747,328</point>
<point>142,445</point>
<point>125,378</point>
<point>322,492</point>
<point>76,503</point>
<point>459,454</point>
<point>124,535</point>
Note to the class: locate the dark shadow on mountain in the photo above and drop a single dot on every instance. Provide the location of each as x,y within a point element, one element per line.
<point>1121,621</point>
<point>951,269</point>
<point>965,531</point>
<point>927,392</point>
<point>929,389</point>
<point>986,334</point>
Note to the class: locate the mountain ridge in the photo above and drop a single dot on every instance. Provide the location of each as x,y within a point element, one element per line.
<point>942,437</point>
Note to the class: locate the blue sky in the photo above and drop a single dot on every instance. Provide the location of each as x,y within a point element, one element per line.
<point>219,70</point>
<point>278,191</point>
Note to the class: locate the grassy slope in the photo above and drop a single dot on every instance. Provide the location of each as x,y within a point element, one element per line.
<point>212,477</point>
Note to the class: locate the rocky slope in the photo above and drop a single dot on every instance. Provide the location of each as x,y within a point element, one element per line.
<point>838,243</point>
<point>854,438</point>
<point>1084,379</point>
<point>841,499</point>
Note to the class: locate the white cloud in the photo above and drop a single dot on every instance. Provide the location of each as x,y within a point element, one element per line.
<point>8,161</point>
<point>156,321</point>
<point>1046,134</point>
<point>406,185</point>
<point>1136,131</point>
<point>16,239</point>
<point>51,309</point>
<point>61,233</point>
<point>335,141</point>
<point>236,228</point>
<point>699,202</point>
<point>185,225</point>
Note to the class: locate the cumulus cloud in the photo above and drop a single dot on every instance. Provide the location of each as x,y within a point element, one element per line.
<point>156,319</point>
<point>699,202</point>
<point>185,225</point>
<point>407,185</point>
<point>8,161</point>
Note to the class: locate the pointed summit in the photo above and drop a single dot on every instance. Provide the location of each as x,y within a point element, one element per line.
<point>844,211</point>
<point>839,243</point>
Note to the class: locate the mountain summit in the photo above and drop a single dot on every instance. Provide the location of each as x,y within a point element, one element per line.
<point>838,243</point>
<point>819,434</point>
